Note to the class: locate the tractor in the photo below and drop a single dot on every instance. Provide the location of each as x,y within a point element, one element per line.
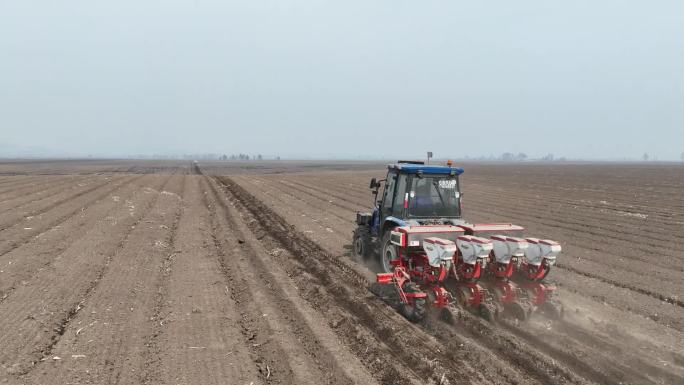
<point>414,194</point>
<point>434,258</point>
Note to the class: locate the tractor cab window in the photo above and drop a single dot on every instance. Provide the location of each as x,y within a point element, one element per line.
<point>388,194</point>
<point>434,196</point>
<point>400,196</point>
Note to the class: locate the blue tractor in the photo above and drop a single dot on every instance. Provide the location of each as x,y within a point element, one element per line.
<point>414,194</point>
<point>432,257</point>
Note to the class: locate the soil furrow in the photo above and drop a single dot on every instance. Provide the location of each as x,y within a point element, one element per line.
<point>327,192</point>
<point>602,267</point>
<point>661,297</point>
<point>152,352</point>
<point>327,199</point>
<point>37,256</point>
<point>19,196</point>
<point>195,339</point>
<point>298,196</point>
<point>21,215</point>
<point>314,341</point>
<point>583,226</point>
<point>17,182</point>
<point>27,234</point>
<point>65,287</point>
<point>116,309</point>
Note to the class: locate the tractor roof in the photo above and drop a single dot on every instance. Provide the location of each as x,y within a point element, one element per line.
<point>424,168</point>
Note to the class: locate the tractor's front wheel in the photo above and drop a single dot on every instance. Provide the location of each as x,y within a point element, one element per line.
<point>361,243</point>
<point>387,253</point>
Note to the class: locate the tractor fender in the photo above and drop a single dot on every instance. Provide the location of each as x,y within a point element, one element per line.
<point>389,223</point>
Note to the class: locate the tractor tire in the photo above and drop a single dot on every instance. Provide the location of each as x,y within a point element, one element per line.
<point>414,312</point>
<point>387,253</point>
<point>361,243</point>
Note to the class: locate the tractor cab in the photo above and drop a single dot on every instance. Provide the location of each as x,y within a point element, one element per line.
<point>417,194</point>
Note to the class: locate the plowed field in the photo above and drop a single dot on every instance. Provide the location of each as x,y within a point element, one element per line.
<point>166,273</point>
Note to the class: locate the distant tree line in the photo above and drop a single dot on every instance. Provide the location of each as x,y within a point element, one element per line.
<point>513,157</point>
<point>241,157</point>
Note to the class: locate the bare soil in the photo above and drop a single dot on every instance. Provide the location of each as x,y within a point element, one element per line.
<point>131,272</point>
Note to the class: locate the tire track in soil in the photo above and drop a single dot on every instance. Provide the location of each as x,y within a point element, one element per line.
<point>37,351</point>
<point>18,241</point>
<point>55,247</point>
<point>315,361</point>
<point>516,355</point>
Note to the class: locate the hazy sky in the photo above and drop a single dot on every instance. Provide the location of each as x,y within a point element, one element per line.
<point>593,79</point>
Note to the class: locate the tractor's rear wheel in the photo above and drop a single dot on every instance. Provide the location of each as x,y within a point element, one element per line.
<point>415,310</point>
<point>387,253</point>
<point>361,242</point>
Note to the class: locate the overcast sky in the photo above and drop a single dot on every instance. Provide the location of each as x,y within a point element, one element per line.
<point>590,79</point>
